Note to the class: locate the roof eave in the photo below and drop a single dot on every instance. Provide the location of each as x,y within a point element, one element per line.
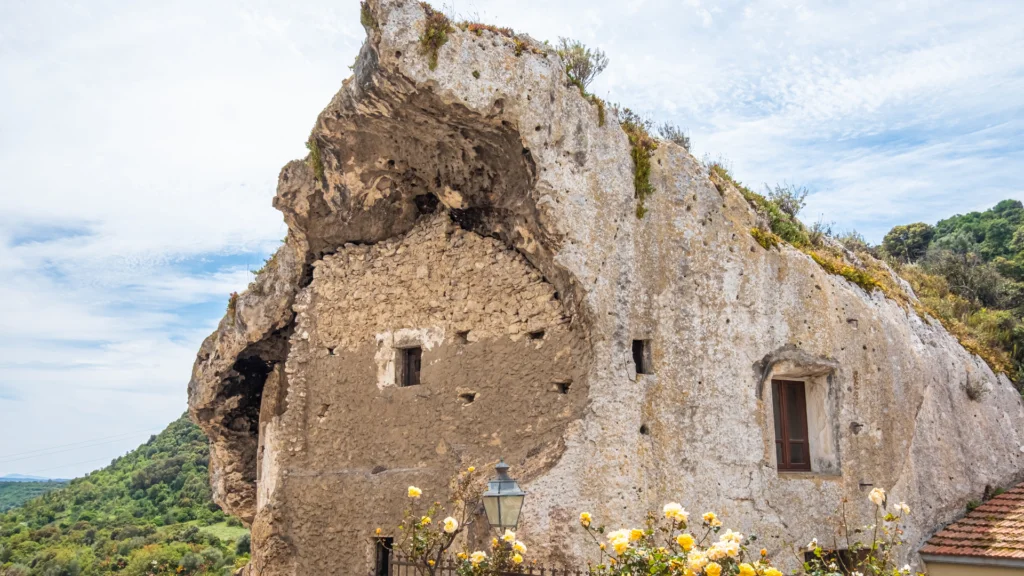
<point>974,560</point>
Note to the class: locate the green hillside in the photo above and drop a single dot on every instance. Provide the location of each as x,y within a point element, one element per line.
<point>14,494</point>
<point>968,271</point>
<point>148,513</point>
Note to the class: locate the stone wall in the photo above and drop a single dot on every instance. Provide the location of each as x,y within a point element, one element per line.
<point>502,376</point>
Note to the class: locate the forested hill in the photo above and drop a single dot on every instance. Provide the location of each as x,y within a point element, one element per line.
<point>149,512</point>
<point>968,271</point>
<point>14,494</point>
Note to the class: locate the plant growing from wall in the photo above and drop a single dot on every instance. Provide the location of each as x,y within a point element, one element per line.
<point>232,305</point>
<point>642,147</point>
<point>315,160</point>
<point>675,134</point>
<point>366,17</point>
<point>582,64</point>
<point>435,33</point>
<point>424,538</point>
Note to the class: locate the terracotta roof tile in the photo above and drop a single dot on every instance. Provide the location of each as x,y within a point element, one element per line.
<point>995,529</point>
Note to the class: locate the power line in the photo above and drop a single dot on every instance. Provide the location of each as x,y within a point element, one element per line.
<point>70,464</point>
<point>51,452</point>
<point>118,436</point>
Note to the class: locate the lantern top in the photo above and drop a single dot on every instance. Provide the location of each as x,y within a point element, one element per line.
<point>503,484</point>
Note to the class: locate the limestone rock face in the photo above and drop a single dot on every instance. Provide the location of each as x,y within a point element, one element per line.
<point>482,214</point>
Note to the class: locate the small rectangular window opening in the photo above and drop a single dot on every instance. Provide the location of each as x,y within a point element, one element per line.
<point>409,366</point>
<point>792,451</point>
<point>382,554</point>
<point>642,356</point>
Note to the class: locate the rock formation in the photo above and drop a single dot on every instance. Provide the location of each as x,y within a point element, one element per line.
<point>484,213</point>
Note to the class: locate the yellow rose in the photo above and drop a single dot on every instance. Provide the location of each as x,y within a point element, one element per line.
<point>517,559</point>
<point>772,572</point>
<point>713,569</point>
<point>462,556</point>
<point>685,542</point>
<point>696,561</point>
<point>431,562</point>
<point>747,570</point>
<point>675,512</point>
<point>764,551</point>
<point>377,531</point>
<point>425,520</point>
<point>585,519</point>
<point>494,542</point>
<point>451,525</point>
<point>519,547</point>
<point>711,519</point>
<point>509,536</point>
<point>477,557</point>
<point>635,535</point>
<point>414,492</point>
<point>471,469</point>
<point>602,545</point>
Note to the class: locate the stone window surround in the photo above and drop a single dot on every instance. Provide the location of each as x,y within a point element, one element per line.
<point>821,392</point>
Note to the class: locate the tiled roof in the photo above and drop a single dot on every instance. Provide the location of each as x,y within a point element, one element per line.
<point>993,530</point>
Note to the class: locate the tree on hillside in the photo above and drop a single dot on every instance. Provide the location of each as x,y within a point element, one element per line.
<point>908,243</point>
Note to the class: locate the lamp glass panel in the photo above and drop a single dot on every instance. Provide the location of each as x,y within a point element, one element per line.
<point>491,509</point>
<point>510,508</point>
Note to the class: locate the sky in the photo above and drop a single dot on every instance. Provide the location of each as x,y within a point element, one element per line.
<point>140,144</point>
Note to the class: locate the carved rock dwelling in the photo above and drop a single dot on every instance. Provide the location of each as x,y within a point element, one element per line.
<point>465,278</point>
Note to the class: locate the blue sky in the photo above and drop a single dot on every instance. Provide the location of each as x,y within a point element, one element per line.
<point>140,145</point>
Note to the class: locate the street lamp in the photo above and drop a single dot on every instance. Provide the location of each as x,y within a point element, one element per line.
<point>503,500</point>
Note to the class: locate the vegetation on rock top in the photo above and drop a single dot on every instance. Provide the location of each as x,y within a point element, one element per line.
<point>968,272</point>
<point>435,33</point>
<point>149,512</point>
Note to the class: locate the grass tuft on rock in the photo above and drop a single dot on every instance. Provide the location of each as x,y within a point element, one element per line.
<point>315,160</point>
<point>366,17</point>
<point>232,305</point>
<point>765,238</point>
<point>435,33</point>
<point>840,268</point>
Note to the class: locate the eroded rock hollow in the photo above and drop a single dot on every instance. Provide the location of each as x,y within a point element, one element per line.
<point>465,278</point>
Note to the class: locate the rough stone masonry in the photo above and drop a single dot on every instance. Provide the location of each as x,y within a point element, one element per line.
<point>481,213</point>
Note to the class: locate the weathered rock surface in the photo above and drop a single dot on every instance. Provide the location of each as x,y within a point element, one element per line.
<point>481,212</point>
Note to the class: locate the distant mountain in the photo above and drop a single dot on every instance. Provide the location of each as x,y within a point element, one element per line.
<point>24,478</point>
<point>147,514</point>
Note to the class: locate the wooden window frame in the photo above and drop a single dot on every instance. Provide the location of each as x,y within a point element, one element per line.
<point>410,366</point>
<point>784,437</point>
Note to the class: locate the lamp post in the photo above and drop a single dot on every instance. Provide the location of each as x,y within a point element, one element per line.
<point>503,500</point>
